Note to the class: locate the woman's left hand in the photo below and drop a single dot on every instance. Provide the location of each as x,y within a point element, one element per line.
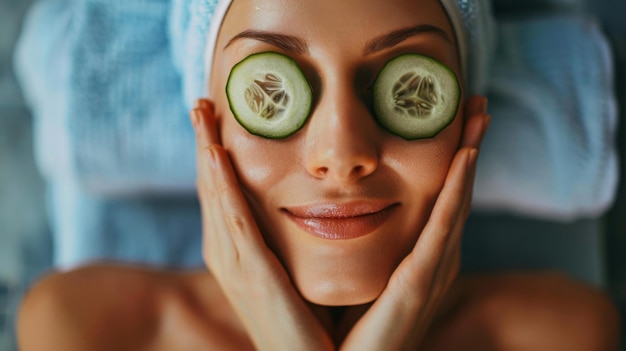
<point>401,316</point>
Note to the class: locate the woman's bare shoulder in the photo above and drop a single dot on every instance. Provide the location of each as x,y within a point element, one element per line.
<point>108,306</point>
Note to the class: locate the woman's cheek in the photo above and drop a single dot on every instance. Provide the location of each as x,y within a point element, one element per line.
<point>259,163</point>
<point>423,166</point>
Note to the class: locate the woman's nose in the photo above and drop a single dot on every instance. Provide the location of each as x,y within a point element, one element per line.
<point>341,142</point>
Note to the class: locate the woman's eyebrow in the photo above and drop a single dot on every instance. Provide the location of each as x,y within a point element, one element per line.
<point>290,43</point>
<point>397,36</point>
<point>287,43</point>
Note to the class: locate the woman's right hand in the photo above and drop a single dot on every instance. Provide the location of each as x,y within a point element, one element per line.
<point>402,315</point>
<point>254,281</point>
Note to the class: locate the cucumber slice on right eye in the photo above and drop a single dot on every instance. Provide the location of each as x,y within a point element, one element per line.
<point>269,95</point>
<point>416,96</point>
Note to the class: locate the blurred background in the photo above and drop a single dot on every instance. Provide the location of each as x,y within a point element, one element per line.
<point>26,245</point>
<point>24,231</point>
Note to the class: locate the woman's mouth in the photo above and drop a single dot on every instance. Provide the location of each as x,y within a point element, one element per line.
<point>341,221</point>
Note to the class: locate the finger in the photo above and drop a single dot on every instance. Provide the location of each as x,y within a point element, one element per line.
<point>476,104</point>
<point>476,122</point>
<point>445,269</point>
<point>237,217</point>
<point>205,123</point>
<point>413,279</point>
<point>449,266</point>
<point>469,184</point>
<point>200,118</point>
<point>232,228</point>
<point>442,231</point>
<point>442,223</point>
<point>438,301</point>
<point>449,201</point>
<point>251,255</point>
<point>206,135</point>
<point>204,103</point>
<point>457,232</point>
<point>217,246</point>
<point>211,123</point>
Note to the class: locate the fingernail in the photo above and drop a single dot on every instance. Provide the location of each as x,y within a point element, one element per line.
<point>193,115</point>
<point>484,125</point>
<point>201,117</point>
<point>212,157</point>
<point>482,104</point>
<point>471,158</point>
<point>486,122</point>
<point>204,103</point>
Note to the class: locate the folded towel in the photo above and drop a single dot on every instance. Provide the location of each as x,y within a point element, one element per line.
<point>106,96</point>
<point>110,84</point>
<point>550,151</point>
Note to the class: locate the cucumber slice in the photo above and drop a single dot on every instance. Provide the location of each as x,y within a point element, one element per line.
<point>415,96</point>
<point>269,95</point>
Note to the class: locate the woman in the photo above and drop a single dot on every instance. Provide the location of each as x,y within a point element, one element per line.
<point>342,235</point>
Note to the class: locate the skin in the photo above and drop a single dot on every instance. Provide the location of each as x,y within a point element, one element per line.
<point>271,285</point>
<point>342,154</point>
<point>248,271</point>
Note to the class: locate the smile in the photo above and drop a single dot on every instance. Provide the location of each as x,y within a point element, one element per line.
<point>341,221</point>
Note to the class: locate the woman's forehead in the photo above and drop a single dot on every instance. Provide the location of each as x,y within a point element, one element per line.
<point>333,30</point>
<point>354,20</point>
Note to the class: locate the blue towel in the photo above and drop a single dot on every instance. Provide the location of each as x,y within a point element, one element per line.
<point>110,84</point>
<point>160,231</point>
<point>112,134</point>
<point>106,96</point>
<point>550,151</point>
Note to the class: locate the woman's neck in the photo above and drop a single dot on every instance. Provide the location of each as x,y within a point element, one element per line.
<point>338,320</point>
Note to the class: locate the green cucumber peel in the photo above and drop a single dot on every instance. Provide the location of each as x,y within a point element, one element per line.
<point>415,96</point>
<point>269,95</point>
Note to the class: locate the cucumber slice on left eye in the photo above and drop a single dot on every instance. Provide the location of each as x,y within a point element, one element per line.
<point>416,96</point>
<point>269,95</point>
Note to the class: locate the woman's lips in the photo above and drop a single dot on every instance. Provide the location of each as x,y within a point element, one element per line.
<point>341,221</point>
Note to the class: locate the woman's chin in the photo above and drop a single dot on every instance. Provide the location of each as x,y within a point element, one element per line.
<point>346,292</point>
<point>343,276</point>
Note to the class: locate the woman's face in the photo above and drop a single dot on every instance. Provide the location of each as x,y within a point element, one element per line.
<point>342,201</point>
